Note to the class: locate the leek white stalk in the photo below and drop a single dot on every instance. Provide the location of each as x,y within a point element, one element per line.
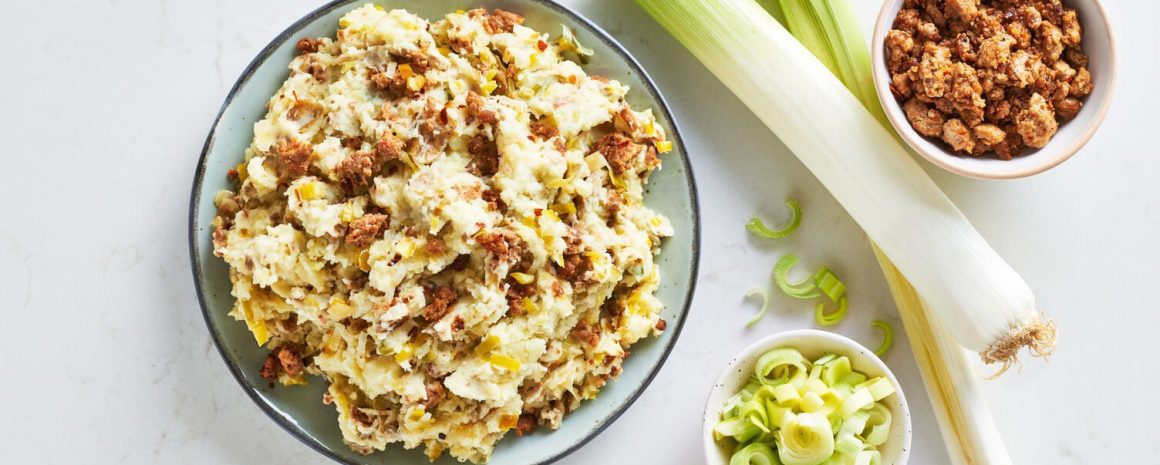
<point>952,384</point>
<point>988,306</point>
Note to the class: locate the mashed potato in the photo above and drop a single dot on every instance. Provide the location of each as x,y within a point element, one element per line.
<point>444,220</point>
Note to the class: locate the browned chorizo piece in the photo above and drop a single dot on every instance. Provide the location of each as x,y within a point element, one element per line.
<point>1037,122</point>
<point>1050,40</point>
<point>966,94</point>
<point>435,394</point>
<point>1071,28</point>
<point>388,148</point>
<point>291,363</point>
<point>1021,68</point>
<point>308,45</point>
<point>355,172</point>
<point>935,70</point>
<point>928,32</point>
<point>1068,108</point>
<point>965,10</point>
<point>439,303</point>
<point>907,19</point>
<point>1081,85</point>
<point>316,68</point>
<point>417,58</point>
<point>661,325</point>
<point>355,325</point>
<point>958,136</point>
<point>498,21</point>
<point>1076,58</point>
<point>995,51</point>
<point>504,247</point>
<point>270,368</point>
<point>281,360</point>
<point>543,131</point>
<point>620,151</point>
<point>587,333</point>
<point>435,246</point>
<point>360,417</point>
<point>484,155</point>
<point>926,120</point>
<point>989,134</point>
<point>394,84</point>
<point>475,109</point>
<point>1020,33</point>
<point>900,85</point>
<point>526,424</point>
<point>293,157</point>
<point>575,268</point>
<point>491,196</point>
<point>899,48</point>
<point>364,231</point>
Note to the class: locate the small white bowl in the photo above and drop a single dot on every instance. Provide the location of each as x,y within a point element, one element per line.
<point>1098,44</point>
<point>812,344</point>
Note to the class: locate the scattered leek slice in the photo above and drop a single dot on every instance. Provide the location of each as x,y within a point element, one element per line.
<point>887,337</point>
<point>869,457</point>
<point>848,444</point>
<point>969,286</point>
<point>829,284</point>
<point>505,362</point>
<point>803,290</point>
<point>860,399</point>
<point>835,370</point>
<point>758,228</point>
<point>830,319</point>
<point>878,422</point>
<point>523,278</point>
<point>784,364</point>
<point>764,306</point>
<point>568,42</point>
<point>806,439</point>
<point>754,454</point>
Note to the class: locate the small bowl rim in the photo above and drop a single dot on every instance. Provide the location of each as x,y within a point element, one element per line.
<point>946,160</point>
<point>711,447</point>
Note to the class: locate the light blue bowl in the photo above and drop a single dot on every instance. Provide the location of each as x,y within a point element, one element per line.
<point>299,409</point>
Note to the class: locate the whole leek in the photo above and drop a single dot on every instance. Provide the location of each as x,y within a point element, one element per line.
<point>967,284</point>
<point>953,386</point>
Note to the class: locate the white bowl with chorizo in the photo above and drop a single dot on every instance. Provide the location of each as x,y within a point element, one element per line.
<point>994,89</point>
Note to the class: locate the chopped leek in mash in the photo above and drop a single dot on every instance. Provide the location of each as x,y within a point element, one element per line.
<point>444,221</point>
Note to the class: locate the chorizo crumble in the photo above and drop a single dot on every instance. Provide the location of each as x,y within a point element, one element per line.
<point>444,222</point>
<point>988,76</point>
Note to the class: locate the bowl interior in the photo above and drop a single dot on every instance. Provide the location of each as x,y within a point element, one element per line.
<point>1098,44</point>
<point>299,409</point>
<point>812,344</point>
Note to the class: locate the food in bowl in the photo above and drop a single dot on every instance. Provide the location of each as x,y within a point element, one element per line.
<point>797,412</point>
<point>990,76</point>
<point>444,221</point>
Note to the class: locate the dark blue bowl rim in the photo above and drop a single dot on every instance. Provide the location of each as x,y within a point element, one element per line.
<point>199,176</point>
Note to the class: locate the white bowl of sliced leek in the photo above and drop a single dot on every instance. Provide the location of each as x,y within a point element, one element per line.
<point>807,397</point>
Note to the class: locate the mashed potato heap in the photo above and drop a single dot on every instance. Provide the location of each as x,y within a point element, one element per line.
<point>444,221</point>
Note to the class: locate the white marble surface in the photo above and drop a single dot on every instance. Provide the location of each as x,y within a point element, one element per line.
<point>104,106</point>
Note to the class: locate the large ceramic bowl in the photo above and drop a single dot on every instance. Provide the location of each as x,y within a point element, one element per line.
<point>299,409</point>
